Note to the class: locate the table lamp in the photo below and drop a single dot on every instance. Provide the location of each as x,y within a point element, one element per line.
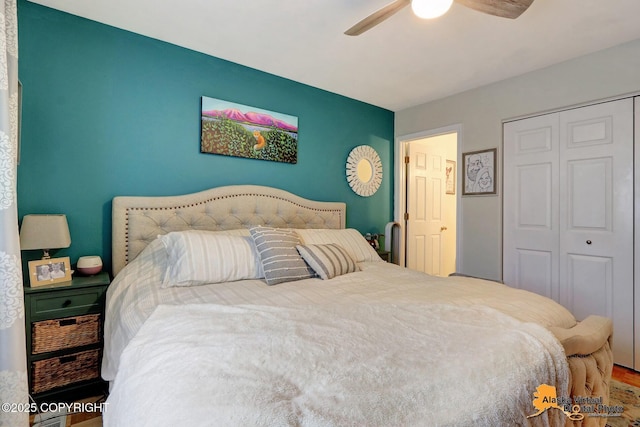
<point>44,232</point>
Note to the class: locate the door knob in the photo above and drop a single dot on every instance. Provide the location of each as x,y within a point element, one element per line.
<point>588,242</point>
<point>443,228</point>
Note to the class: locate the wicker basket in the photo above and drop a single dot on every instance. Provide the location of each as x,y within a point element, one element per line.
<point>51,335</point>
<point>60,371</point>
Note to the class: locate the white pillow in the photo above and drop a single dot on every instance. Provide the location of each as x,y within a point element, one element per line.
<point>350,239</point>
<point>198,257</point>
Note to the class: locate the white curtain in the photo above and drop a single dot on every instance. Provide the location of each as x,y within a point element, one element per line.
<point>13,365</point>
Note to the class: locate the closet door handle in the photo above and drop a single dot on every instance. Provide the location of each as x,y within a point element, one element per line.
<point>588,242</point>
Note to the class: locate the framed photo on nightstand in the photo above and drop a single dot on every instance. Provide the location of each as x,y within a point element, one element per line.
<point>48,271</point>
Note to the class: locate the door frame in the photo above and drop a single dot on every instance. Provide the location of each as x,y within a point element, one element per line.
<point>636,235</point>
<point>400,186</point>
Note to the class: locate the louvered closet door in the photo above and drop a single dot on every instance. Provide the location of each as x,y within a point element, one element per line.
<point>568,212</point>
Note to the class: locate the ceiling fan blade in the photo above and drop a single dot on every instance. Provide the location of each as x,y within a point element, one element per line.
<point>377,17</point>
<point>503,8</point>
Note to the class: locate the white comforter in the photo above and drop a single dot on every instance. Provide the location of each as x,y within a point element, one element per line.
<point>392,345</point>
<point>335,365</point>
<point>135,293</point>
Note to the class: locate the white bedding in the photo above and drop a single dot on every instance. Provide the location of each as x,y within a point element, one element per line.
<point>381,346</point>
<point>336,364</point>
<point>136,292</point>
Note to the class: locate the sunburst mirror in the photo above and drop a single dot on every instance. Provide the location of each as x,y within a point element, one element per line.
<point>364,170</point>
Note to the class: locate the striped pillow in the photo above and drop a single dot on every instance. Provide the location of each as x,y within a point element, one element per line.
<point>328,261</point>
<point>280,259</point>
<point>201,257</point>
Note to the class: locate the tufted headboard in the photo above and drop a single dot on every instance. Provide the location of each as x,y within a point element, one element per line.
<point>139,220</point>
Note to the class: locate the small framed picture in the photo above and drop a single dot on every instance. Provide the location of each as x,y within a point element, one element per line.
<point>48,271</point>
<point>479,172</point>
<point>450,170</point>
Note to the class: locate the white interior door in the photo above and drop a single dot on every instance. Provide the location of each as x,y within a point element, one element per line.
<point>426,223</point>
<point>596,217</point>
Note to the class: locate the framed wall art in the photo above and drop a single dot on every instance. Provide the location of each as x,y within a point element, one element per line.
<point>49,271</point>
<point>238,130</point>
<point>450,170</point>
<point>479,172</point>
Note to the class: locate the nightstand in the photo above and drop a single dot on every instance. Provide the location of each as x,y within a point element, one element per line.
<point>385,255</point>
<point>64,324</point>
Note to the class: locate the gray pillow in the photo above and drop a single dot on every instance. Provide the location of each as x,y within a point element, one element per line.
<point>328,260</point>
<point>280,259</point>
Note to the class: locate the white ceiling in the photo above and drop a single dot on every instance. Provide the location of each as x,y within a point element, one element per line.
<point>402,62</point>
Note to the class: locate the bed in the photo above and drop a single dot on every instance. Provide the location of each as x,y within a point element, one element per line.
<point>342,339</point>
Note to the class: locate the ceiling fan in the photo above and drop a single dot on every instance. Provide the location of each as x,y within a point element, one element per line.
<point>433,8</point>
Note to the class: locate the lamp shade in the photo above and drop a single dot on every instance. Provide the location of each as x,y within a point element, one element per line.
<point>44,232</point>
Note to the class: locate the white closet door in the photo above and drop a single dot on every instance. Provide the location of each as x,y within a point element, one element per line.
<point>568,212</point>
<point>596,217</point>
<point>531,194</point>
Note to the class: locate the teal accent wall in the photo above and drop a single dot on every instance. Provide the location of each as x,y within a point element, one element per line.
<point>107,112</point>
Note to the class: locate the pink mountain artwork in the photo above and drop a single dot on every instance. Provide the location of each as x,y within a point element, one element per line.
<point>260,119</point>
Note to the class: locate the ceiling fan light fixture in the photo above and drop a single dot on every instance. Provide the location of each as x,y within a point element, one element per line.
<point>429,9</point>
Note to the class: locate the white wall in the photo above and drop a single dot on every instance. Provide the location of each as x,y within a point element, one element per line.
<point>480,112</point>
